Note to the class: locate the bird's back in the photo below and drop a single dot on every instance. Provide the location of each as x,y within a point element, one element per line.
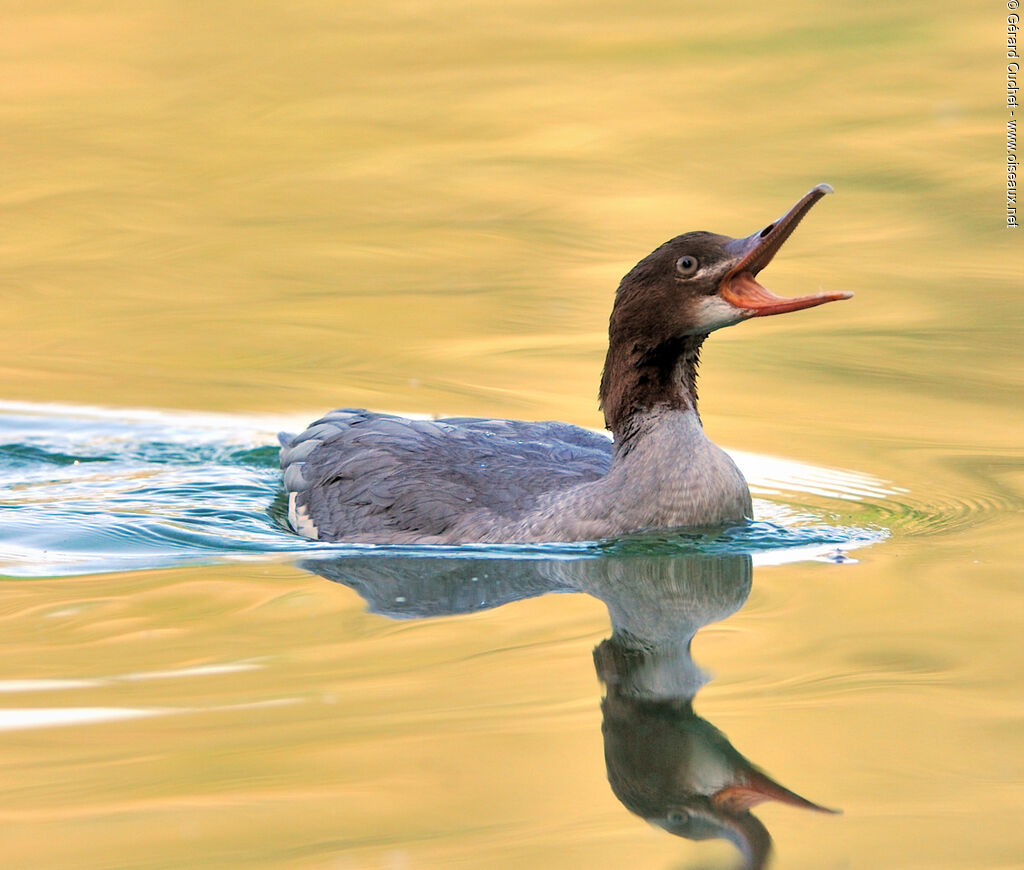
<point>355,475</point>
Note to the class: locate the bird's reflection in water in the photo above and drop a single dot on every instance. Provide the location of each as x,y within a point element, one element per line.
<point>664,762</point>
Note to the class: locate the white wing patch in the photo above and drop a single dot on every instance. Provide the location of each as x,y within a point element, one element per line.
<point>298,518</point>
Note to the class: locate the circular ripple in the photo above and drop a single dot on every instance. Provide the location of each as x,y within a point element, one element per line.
<point>87,490</point>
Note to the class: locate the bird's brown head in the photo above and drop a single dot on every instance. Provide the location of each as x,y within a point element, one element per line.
<point>668,303</point>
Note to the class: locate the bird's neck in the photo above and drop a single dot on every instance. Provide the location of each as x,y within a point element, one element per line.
<point>638,380</point>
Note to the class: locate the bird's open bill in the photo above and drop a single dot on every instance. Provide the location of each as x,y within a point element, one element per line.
<point>756,788</point>
<point>739,286</point>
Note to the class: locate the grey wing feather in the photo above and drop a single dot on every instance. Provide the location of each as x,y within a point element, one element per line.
<point>360,476</point>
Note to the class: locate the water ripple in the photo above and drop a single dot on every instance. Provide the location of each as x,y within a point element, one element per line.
<point>87,490</point>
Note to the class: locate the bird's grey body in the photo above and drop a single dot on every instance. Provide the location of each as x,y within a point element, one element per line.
<point>376,478</point>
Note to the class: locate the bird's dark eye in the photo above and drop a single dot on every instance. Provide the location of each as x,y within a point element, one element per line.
<point>678,817</point>
<point>687,265</point>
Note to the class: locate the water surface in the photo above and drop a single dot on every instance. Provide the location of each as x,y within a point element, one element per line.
<point>220,220</point>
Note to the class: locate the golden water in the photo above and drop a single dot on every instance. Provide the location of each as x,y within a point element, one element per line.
<point>425,206</point>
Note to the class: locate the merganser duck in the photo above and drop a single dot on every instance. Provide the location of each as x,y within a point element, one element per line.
<point>362,477</point>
